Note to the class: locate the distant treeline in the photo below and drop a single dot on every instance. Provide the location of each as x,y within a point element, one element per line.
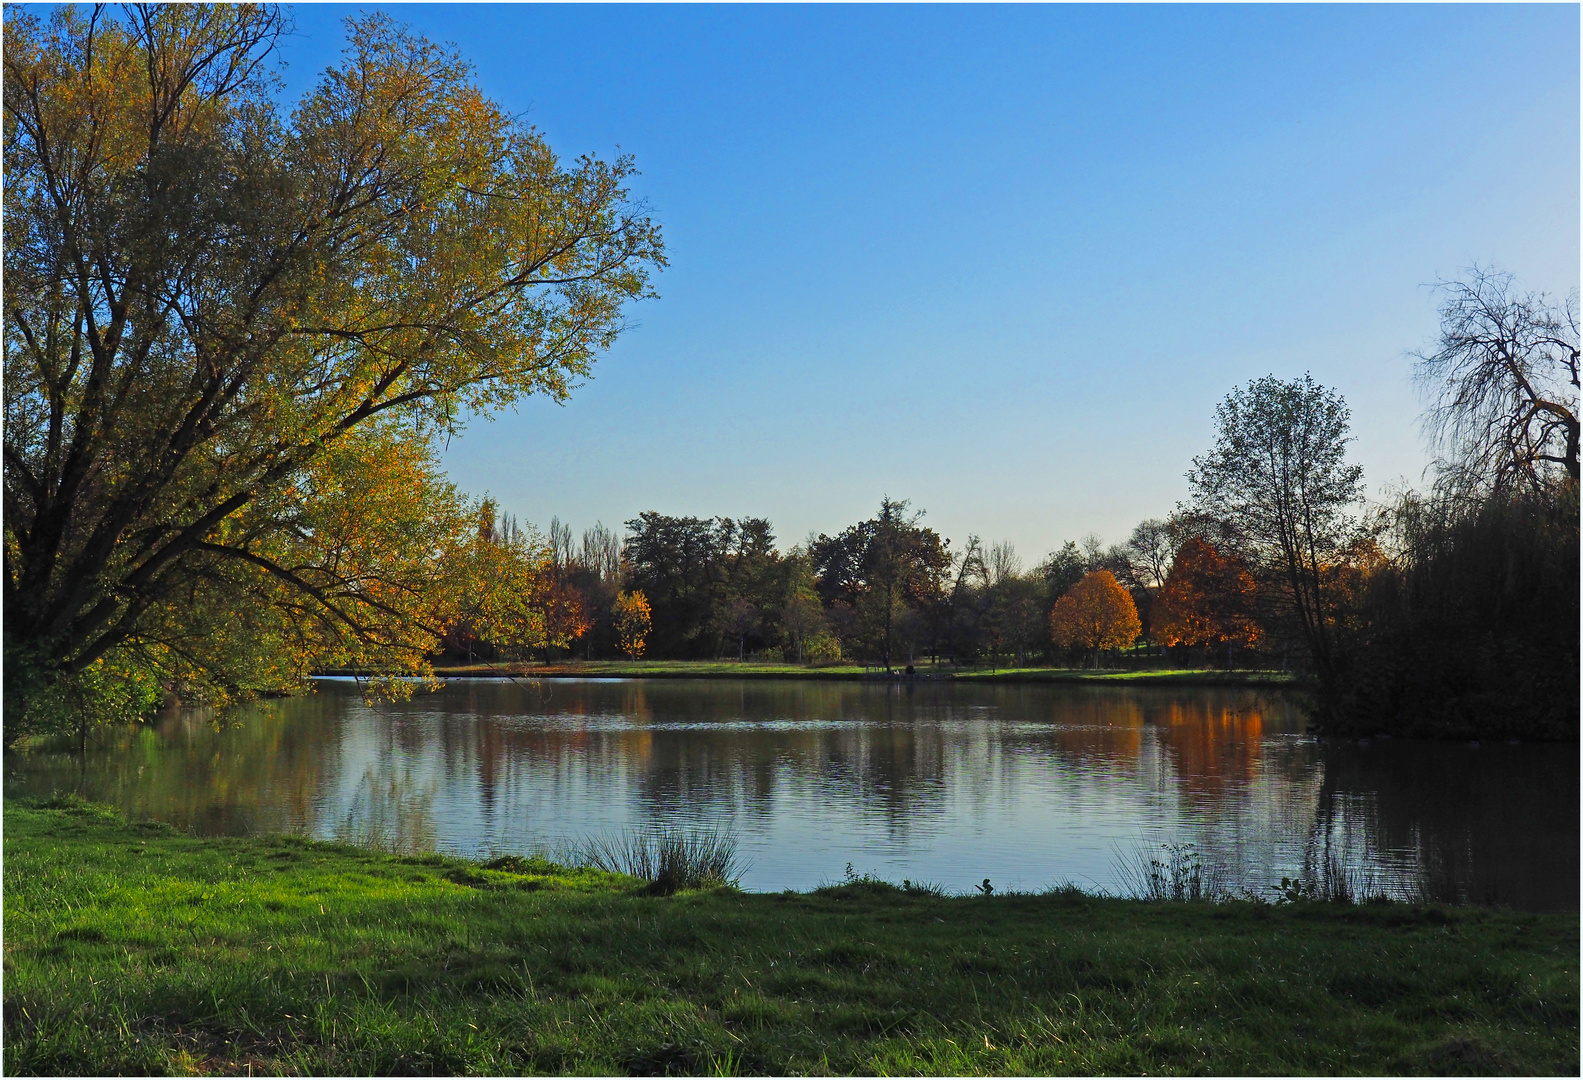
<point>890,590</point>
<point>1452,613</point>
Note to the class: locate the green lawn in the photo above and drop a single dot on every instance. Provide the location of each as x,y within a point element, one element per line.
<point>730,669</point>
<point>133,949</point>
<point>1176,676</point>
<point>661,669</point>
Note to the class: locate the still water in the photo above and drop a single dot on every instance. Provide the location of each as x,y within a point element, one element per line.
<point>947,783</point>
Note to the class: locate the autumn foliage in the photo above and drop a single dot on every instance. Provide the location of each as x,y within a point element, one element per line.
<point>1096,614</point>
<point>633,621</point>
<point>237,332</point>
<point>503,591</point>
<point>1207,599</point>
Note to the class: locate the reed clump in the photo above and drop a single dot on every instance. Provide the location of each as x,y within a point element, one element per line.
<point>1177,873</point>
<point>669,859</point>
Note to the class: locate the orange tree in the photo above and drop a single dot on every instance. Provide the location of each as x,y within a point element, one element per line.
<point>215,306</point>
<point>1207,599</point>
<point>1096,614</point>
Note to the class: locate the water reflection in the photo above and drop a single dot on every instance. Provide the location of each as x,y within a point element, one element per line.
<point>1026,785</point>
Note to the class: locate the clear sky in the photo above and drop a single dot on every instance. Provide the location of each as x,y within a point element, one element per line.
<point>1004,261</point>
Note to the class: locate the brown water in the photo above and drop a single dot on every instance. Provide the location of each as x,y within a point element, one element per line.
<point>1025,785</point>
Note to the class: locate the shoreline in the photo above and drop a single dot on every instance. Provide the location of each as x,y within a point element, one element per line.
<point>924,676</point>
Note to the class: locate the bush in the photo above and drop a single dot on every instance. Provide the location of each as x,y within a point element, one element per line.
<point>822,649</point>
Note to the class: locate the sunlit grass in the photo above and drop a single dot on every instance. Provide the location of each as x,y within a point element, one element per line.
<point>750,669</point>
<point>134,949</point>
<point>1181,676</point>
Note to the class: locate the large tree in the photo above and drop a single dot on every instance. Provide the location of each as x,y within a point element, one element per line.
<point>881,567</point>
<point>207,295</point>
<point>1279,485</point>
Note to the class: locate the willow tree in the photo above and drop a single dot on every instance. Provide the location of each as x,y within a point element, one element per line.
<point>223,320</point>
<point>1503,385</point>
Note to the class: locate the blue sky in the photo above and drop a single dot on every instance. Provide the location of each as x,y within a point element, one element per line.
<point>1004,261</point>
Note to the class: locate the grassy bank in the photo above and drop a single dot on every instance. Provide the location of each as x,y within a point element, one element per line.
<point>1167,676</point>
<point>730,669</point>
<point>134,949</point>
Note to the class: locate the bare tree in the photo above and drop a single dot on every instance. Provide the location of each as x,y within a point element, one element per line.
<point>1002,562</point>
<point>509,530</point>
<point>1503,381</point>
<point>1149,552</point>
<point>561,544</point>
<point>602,551</point>
<point>1093,552</point>
<point>970,572</point>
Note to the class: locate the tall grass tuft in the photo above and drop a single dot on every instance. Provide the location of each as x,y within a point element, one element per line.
<point>1337,882</point>
<point>669,859</point>
<point>1178,874</point>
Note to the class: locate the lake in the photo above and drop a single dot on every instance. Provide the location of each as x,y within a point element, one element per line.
<point>951,783</point>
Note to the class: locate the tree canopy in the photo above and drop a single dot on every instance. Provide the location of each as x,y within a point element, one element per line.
<point>1207,599</point>
<point>633,620</point>
<point>233,332</point>
<point>880,566</point>
<point>1277,483</point>
<point>1097,613</point>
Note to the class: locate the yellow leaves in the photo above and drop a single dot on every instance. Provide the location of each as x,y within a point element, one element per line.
<point>335,286</point>
<point>1097,613</point>
<point>633,620</point>
<point>506,594</point>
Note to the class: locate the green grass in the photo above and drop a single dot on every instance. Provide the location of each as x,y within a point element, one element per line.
<point>646,669</point>
<point>132,949</point>
<point>731,669</point>
<point>1175,676</point>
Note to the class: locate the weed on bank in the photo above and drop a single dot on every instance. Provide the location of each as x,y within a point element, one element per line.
<point>133,949</point>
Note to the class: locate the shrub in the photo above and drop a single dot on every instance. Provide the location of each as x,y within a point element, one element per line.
<point>822,649</point>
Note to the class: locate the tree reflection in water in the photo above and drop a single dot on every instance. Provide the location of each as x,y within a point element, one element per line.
<point>1025,784</point>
